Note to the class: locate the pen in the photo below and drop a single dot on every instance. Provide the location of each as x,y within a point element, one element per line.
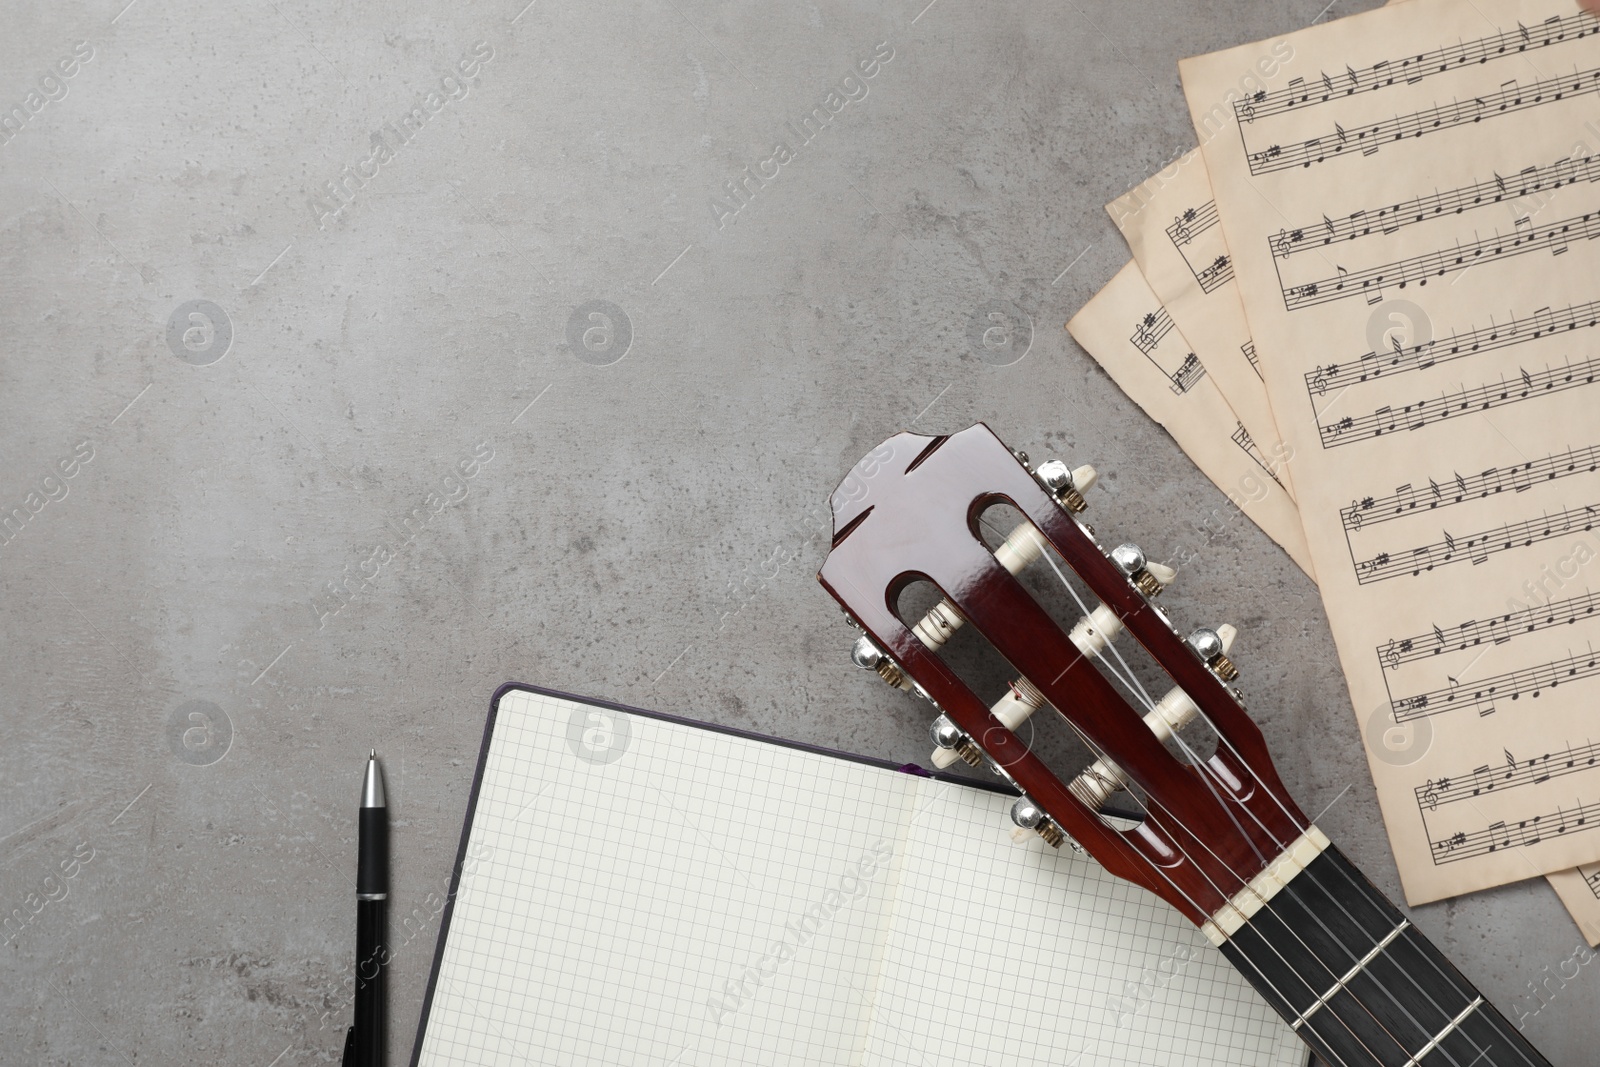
<point>365,1041</point>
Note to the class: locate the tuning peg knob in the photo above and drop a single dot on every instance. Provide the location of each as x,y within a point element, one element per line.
<point>951,743</point>
<point>1026,814</point>
<point>869,657</point>
<point>1029,816</point>
<point>1065,484</point>
<point>945,734</point>
<point>1212,646</point>
<point>1130,560</point>
<point>865,654</point>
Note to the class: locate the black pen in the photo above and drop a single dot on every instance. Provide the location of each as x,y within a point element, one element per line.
<point>365,1043</point>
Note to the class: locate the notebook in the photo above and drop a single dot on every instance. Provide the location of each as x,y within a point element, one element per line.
<point>635,888</point>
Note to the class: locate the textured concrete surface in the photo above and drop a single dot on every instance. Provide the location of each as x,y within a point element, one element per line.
<point>384,470</point>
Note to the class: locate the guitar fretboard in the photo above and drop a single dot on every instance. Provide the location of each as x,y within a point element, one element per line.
<point>1361,985</point>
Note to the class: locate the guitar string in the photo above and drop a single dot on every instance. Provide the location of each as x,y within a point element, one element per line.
<point>1150,705</point>
<point>1135,686</point>
<point>1130,681</point>
<point>1204,771</point>
<point>1228,897</point>
<point>1199,909</point>
<point>1411,978</point>
<point>1338,1018</point>
<point>1139,689</point>
<point>1332,976</point>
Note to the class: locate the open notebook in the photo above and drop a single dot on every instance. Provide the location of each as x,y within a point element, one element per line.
<point>634,888</point>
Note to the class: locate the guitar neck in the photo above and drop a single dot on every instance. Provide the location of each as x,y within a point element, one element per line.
<point>1361,985</point>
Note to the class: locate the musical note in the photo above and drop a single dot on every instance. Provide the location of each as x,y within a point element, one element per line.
<point>1501,834</point>
<point>1370,511</point>
<point>1219,273</point>
<point>1511,99</point>
<point>1496,631</point>
<point>1464,226</point>
<point>1188,372</point>
<point>1149,332</point>
<point>1421,269</point>
<point>1421,413</point>
<point>1413,69</point>
<point>1484,543</point>
<point>1387,219</point>
<point>1207,259</point>
<point>1509,685</point>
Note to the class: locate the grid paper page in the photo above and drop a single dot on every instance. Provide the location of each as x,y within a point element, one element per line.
<point>1003,953</point>
<point>642,891</point>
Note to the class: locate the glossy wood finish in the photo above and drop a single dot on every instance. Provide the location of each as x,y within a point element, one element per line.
<point>1329,952</point>
<point>910,512</point>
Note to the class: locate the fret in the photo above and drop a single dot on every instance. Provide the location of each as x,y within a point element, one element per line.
<point>1345,978</point>
<point>1446,1032</point>
<point>1350,1028</point>
<point>1361,985</point>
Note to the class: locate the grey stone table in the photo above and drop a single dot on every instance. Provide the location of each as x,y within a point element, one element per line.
<point>359,359</point>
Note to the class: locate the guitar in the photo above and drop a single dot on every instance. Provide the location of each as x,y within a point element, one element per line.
<point>1217,837</point>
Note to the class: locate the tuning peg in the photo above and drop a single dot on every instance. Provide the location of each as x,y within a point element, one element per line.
<point>1091,635</point>
<point>1149,578</point>
<point>1213,646</point>
<point>1171,713</point>
<point>1020,548</point>
<point>1067,485</point>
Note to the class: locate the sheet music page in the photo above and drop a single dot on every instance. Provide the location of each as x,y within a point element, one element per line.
<point>1214,314</point>
<point>1410,197</point>
<point>1170,223</point>
<point>1131,335</point>
<point>1579,890</point>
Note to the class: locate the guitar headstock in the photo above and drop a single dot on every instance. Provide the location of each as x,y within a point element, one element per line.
<point>1215,831</point>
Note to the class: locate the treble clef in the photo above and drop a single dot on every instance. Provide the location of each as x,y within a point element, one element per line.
<point>1319,384</point>
<point>1282,245</point>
